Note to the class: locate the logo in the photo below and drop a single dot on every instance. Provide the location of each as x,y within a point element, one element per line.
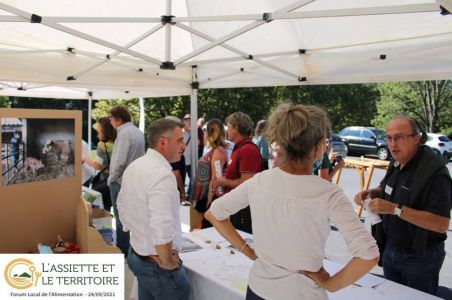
<point>21,274</point>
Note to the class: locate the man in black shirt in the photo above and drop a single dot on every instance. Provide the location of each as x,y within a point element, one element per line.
<point>414,202</point>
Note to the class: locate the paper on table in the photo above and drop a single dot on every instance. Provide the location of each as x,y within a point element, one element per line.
<point>209,235</point>
<point>367,280</point>
<point>354,292</point>
<point>202,254</point>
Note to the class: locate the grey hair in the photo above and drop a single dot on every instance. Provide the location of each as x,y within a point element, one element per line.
<point>415,127</point>
<point>241,122</point>
<point>297,129</point>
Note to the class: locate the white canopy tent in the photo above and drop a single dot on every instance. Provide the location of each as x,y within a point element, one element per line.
<point>125,49</point>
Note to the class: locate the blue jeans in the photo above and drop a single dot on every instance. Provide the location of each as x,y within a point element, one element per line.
<point>155,283</point>
<point>420,272</point>
<point>122,238</point>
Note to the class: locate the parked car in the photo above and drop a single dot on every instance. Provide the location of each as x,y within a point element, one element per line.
<point>365,140</point>
<point>338,145</point>
<point>440,143</point>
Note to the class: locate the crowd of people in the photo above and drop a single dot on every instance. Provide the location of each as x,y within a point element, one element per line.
<point>275,184</point>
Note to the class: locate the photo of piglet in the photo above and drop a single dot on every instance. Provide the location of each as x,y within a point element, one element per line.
<point>36,149</point>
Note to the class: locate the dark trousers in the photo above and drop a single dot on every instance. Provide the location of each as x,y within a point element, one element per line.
<point>420,272</point>
<point>122,238</point>
<point>250,295</point>
<point>242,220</point>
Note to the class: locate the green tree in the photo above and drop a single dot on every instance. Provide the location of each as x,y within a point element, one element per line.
<point>427,101</point>
<point>347,105</point>
<point>4,102</point>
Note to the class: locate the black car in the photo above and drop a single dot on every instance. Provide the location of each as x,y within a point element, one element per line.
<point>365,140</point>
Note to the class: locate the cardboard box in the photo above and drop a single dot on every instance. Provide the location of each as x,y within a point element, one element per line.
<point>100,218</point>
<point>88,238</point>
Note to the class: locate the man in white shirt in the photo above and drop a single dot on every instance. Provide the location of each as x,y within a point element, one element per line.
<point>148,205</point>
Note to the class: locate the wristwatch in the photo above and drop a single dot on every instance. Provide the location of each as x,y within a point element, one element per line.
<point>398,210</point>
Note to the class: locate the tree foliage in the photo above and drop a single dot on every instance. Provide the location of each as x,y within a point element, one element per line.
<point>4,102</point>
<point>427,101</point>
<point>347,105</point>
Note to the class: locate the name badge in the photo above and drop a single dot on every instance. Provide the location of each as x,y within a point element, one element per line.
<point>388,190</point>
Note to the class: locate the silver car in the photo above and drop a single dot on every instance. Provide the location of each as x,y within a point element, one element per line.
<point>338,145</point>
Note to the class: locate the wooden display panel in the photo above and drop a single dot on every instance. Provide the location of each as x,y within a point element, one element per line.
<point>38,211</point>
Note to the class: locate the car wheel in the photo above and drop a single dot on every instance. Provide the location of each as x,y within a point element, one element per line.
<point>383,153</point>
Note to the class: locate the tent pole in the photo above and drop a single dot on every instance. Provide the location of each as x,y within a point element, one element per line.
<point>90,113</point>
<point>141,125</point>
<point>194,122</point>
<point>168,33</point>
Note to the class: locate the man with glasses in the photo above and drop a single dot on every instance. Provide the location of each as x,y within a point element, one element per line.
<point>129,145</point>
<point>414,202</point>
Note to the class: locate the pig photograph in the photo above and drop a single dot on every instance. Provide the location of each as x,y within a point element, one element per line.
<point>36,149</point>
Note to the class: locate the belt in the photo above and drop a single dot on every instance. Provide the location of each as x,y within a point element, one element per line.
<point>150,258</point>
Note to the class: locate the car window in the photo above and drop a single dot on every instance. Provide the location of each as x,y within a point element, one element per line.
<point>443,138</point>
<point>344,132</point>
<point>366,134</point>
<point>429,138</point>
<point>354,132</point>
<point>335,138</point>
<point>380,134</point>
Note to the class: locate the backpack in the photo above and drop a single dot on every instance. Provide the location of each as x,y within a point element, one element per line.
<point>200,184</point>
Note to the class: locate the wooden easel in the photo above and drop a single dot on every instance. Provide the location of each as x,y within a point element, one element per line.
<point>365,164</point>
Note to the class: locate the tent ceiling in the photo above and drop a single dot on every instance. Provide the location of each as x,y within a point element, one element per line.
<point>116,49</point>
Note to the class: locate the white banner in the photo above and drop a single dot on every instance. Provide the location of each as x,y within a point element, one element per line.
<point>62,276</point>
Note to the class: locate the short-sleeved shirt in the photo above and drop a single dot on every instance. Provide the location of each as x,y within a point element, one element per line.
<point>323,164</point>
<point>398,190</point>
<point>262,144</point>
<point>248,157</point>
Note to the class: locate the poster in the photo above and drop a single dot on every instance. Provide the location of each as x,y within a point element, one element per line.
<point>36,149</point>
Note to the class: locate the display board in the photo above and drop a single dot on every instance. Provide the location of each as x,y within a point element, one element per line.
<point>40,181</point>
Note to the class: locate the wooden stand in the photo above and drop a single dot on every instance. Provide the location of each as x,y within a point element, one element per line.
<point>361,166</point>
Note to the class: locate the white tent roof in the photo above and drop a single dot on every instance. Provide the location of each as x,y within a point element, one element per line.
<point>115,49</point>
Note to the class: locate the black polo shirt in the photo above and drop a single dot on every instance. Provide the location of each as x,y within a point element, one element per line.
<point>398,190</point>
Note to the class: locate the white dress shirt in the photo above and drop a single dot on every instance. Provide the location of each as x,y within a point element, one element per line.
<point>148,204</point>
<point>291,217</point>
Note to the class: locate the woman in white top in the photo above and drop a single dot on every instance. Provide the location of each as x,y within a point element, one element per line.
<point>291,212</point>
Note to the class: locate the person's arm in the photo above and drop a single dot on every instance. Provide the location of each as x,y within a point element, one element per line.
<point>227,230</point>
<point>92,163</point>
<point>119,158</point>
<point>370,193</point>
<point>360,244</point>
<point>161,219</point>
<point>180,185</point>
<point>351,272</point>
<point>423,219</point>
<point>225,206</point>
<point>336,168</point>
<point>218,155</point>
<point>166,258</point>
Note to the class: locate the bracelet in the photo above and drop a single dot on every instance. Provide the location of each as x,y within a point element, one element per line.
<point>241,248</point>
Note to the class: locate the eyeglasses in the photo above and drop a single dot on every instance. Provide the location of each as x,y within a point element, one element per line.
<point>399,137</point>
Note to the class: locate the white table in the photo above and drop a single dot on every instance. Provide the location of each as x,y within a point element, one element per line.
<point>217,274</point>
